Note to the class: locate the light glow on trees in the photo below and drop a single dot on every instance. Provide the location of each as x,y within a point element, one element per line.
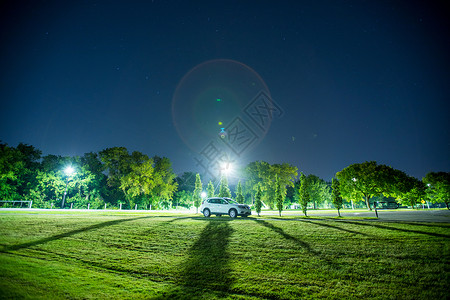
<point>69,170</point>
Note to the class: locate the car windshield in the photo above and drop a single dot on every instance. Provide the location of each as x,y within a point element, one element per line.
<point>231,201</point>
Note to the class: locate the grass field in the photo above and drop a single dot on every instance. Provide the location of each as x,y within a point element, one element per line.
<point>117,255</point>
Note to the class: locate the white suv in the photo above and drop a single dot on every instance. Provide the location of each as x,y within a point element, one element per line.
<point>224,206</point>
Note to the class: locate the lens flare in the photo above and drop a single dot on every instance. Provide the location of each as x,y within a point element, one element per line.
<point>211,91</point>
<point>222,133</point>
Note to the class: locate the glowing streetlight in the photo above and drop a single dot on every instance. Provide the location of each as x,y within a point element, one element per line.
<point>227,168</point>
<point>203,194</point>
<point>69,171</point>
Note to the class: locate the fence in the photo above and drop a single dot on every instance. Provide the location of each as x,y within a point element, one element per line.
<point>17,201</point>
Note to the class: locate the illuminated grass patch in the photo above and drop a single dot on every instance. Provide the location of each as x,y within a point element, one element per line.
<point>132,256</point>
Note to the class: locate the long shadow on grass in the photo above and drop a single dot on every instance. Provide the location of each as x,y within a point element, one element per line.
<point>336,227</point>
<point>176,219</point>
<point>281,232</point>
<point>206,271</point>
<point>444,226</point>
<point>397,229</point>
<point>299,242</point>
<point>69,233</point>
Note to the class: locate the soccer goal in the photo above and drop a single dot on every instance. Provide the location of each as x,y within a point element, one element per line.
<point>15,204</point>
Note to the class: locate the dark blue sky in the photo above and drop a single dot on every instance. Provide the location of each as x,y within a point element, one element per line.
<point>356,80</point>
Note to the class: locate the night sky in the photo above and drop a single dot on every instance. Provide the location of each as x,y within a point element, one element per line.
<point>352,81</point>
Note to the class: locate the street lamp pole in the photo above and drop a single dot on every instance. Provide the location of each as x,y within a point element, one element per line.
<point>68,171</point>
<point>65,192</point>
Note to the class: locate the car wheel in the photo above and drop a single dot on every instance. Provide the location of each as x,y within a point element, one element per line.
<point>233,213</point>
<point>206,213</point>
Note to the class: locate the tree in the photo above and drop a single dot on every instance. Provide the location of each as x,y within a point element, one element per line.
<point>279,196</point>
<point>50,188</point>
<point>279,178</point>
<point>258,176</point>
<point>85,189</point>
<point>10,167</point>
<point>224,190</point>
<point>18,170</point>
<point>210,189</point>
<point>83,186</point>
<point>258,203</point>
<point>117,163</point>
<point>141,180</point>
<point>197,192</point>
<point>438,187</point>
<point>303,193</point>
<point>324,192</point>
<point>366,180</point>
<point>90,162</point>
<point>291,193</point>
<point>318,190</point>
<point>183,198</point>
<point>409,190</point>
<point>285,174</point>
<point>239,196</point>
<point>314,189</point>
<point>138,184</point>
<point>263,173</point>
<point>336,195</point>
<point>87,185</point>
<point>29,156</point>
<point>166,185</point>
<point>186,181</point>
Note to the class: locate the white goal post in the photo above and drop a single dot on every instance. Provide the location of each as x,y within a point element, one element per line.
<point>17,201</point>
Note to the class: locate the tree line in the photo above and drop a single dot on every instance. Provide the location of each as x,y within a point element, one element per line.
<point>115,177</point>
<point>112,176</point>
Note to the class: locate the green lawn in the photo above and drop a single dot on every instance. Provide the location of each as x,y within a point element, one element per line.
<point>117,255</point>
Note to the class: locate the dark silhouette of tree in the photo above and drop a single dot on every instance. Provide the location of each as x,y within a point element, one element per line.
<point>304,194</point>
<point>336,195</point>
<point>279,196</point>
<point>258,203</point>
<point>239,196</point>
